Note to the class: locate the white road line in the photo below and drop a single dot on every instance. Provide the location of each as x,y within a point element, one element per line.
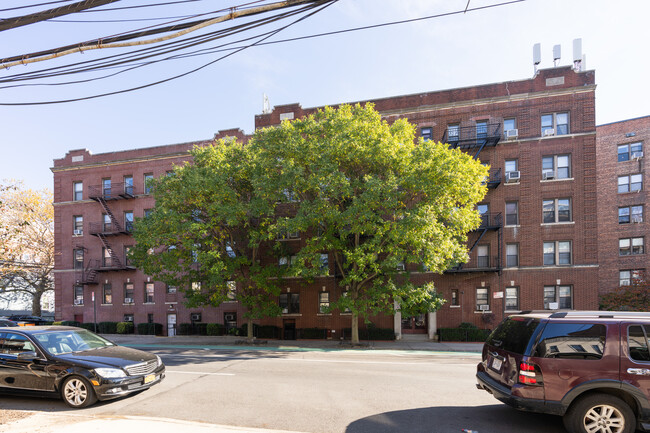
<point>330,361</point>
<point>199,373</point>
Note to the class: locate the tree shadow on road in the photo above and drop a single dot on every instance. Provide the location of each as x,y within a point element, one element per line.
<point>481,419</point>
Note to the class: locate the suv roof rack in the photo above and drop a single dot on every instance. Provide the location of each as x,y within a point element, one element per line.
<point>600,314</point>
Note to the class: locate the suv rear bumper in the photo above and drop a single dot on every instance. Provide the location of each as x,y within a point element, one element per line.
<point>505,395</point>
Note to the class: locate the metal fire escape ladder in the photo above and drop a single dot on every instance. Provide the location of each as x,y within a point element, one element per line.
<point>115,260</point>
<point>117,226</point>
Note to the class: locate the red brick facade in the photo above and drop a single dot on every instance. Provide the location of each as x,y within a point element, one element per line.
<point>560,92</point>
<point>615,223</point>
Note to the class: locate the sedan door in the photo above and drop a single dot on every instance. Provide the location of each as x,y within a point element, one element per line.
<point>23,374</point>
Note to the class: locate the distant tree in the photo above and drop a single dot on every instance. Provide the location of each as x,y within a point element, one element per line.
<point>635,297</point>
<point>375,199</point>
<point>26,244</point>
<point>204,235</point>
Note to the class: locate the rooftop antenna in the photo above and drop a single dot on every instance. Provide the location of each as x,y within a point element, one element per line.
<point>266,105</point>
<point>577,55</point>
<point>557,49</point>
<point>537,56</point>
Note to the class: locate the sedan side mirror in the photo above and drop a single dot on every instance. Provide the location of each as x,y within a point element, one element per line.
<point>28,356</point>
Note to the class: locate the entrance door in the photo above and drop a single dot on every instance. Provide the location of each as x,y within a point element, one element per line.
<point>414,324</point>
<point>230,320</point>
<point>289,330</point>
<point>171,325</point>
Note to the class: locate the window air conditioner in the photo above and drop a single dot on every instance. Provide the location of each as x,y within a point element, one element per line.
<point>128,300</point>
<point>196,317</point>
<point>637,218</point>
<point>484,307</point>
<point>78,301</point>
<point>77,232</point>
<point>548,174</point>
<point>512,176</point>
<point>549,132</point>
<point>637,155</point>
<point>512,133</point>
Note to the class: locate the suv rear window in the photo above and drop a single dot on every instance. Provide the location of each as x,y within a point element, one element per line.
<point>637,342</point>
<point>571,341</point>
<point>513,334</point>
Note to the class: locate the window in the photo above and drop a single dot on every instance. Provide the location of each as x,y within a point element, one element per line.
<point>128,185</point>
<point>481,129</point>
<point>556,167</point>
<point>147,213</point>
<point>483,256</point>
<point>630,246</point>
<point>631,183</point>
<point>555,124</point>
<point>107,223</point>
<point>106,188</point>
<point>171,289</point>
<point>107,261</point>
<point>14,344</point>
<point>582,341</point>
<point>148,293</point>
<point>453,131</point>
<point>427,133</point>
<point>627,277</point>
<point>637,342</point>
<point>196,286</point>
<point>232,290</point>
<point>129,293</point>
<point>484,211</point>
<point>512,213</point>
<point>127,318</point>
<point>128,221</point>
<point>629,151</point>
<point>78,294</point>
<point>323,302</point>
<point>401,266</point>
<point>77,225</point>
<point>78,259</point>
<point>77,191</point>
<point>629,214</point>
<point>482,299</point>
<point>512,165</point>
<point>509,124</point>
<point>512,298</point>
<point>556,211</point>
<point>287,260</point>
<point>557,297</point>
<point>107,294</point>
<point>512,255</point>
<point>454,297</point>
<point>324,264</point>
<point>284,234</point>
<point>557,252</point>
<point>148,179</point>
<point>127,251</point>
<point>290,303</point>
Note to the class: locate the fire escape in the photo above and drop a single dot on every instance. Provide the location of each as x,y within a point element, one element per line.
<point>473,139</point>
<point>110,227</point>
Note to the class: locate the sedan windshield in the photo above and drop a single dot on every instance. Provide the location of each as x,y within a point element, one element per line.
<point>68,341</point>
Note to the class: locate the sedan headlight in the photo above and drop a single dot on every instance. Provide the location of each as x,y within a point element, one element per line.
<point>159,360</point>
<point>110,373</point>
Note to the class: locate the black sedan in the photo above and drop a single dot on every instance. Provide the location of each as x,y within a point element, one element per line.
<point>30,320</point>
<point>5,322</point>
<point>76,364</point>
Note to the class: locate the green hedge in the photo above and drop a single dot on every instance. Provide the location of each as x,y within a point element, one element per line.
<point>89,326</point>
<point>150,328</point>
<point>260,331</point>
<point>125,328</point>
<point>371,333</point>
<point>107,327</point>
<point>463,334</point>
<point>68,323</point>
<point>312,333</point>
<point>215,329</point>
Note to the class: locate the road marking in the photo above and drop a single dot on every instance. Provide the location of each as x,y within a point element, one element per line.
<point>199,373</point>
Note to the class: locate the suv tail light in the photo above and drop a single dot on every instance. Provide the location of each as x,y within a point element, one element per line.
<point>529,374</point>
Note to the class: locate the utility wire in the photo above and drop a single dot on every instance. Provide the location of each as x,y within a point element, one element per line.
<point>11,23</point>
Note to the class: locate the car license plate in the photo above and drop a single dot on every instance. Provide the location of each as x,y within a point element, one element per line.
<point>496,364</point>
<point>149,378</point>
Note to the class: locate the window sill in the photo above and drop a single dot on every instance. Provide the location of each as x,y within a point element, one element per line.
<point>482,312</point>
<point>512,311</point>
<point>148,303</point>
<point>513,226</point>
<point>556,180</point>
<point>105,305</point>
<point>345,314</point>
<point>324,314</point>
<point>130,303</point>
<point>77,305</point>
<point>631,192</point>
<point>454,306</point>
<point>563,223</point>
<point>291,315</point>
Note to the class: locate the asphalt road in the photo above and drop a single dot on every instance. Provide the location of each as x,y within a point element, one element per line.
<point>319,392</point>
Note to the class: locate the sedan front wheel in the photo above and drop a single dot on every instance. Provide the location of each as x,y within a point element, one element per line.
<point>77,392</point>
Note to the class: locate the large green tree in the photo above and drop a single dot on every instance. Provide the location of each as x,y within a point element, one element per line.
<point>205,233</point>
<point>372,197</point>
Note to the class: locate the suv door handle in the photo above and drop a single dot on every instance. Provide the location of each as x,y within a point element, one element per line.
<point>639,371</point>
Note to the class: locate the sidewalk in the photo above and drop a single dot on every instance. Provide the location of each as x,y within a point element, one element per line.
<point>239,343</point>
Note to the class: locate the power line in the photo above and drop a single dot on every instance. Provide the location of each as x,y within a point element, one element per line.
<point>11,23</point>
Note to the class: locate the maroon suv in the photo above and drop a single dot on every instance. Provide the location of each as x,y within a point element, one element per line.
<point>591,367</point>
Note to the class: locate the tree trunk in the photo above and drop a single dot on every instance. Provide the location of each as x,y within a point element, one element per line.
<point>249,330</point>
<point>355,328</point>
<point>36,304</point>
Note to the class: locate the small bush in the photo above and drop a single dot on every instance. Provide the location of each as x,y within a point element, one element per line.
<point>312,333</point>
<point>184,329</point>
<point>68,323</point>
<point>89,326</point>
<point>215,329</point>
<point>150,328</point>
<point>467,325</point>
<point>125,328</point>
<point>460,334</point>
<point>107,327</point>
<point>371,333</point>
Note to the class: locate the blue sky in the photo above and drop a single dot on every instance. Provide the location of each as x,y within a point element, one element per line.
<point>479,47</point>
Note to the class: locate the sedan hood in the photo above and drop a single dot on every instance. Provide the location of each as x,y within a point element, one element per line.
<point>112,356</point>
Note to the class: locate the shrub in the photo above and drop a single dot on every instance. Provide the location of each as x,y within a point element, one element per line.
<point>125,328</point>
<point>312,333</point>
<point>463,334</point>
<point>150,328</point>
<point>215,329</point>
<point>89,326</point>
<point>184,329</point>
<point>107,327</point>
<point>467,325</point>
<point>267,331</point>
<point>68,323</point>
<point>371,333</point>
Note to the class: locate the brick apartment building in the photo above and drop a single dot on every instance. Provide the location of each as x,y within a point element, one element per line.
<point>536,248</point>
<point>622,199</point>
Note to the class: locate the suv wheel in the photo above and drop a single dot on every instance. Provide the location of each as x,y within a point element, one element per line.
<point>77,392</point>
<point>600,413</point>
